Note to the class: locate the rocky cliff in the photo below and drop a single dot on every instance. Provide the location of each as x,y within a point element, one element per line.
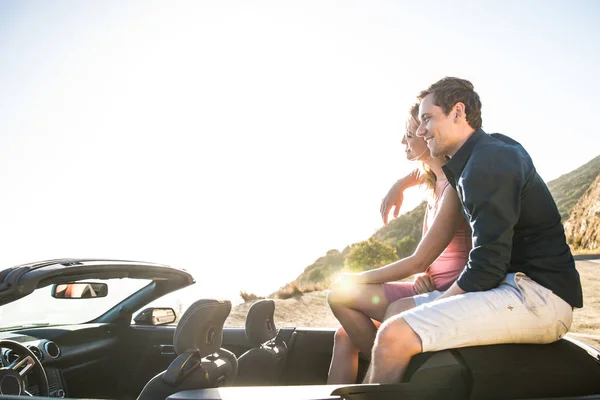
<point>583,226</point>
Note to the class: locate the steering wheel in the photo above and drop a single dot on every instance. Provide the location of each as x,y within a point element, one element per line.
<point>12,378</point>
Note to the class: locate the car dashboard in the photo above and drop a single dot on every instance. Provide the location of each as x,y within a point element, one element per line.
<point>65,352</point>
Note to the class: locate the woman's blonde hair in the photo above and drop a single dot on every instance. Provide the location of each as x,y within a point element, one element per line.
<point>426,176</point>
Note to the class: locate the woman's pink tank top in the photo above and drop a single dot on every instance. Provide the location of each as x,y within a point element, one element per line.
<point>448,266</point>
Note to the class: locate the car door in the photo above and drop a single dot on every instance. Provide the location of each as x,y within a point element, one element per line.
<point>145,351</point>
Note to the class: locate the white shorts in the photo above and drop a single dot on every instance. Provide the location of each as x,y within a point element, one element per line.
<point>426,297</point>
<point>519,310</point>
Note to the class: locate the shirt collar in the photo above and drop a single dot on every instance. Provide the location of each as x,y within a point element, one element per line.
<point>455,166</point>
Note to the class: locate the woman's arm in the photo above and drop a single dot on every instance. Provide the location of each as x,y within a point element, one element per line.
<point>432,244</point>
<point>395,196</point>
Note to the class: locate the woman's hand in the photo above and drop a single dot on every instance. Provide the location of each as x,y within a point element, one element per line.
<point>395,196</point>
<point>393,199</point>
<point>423,284</point>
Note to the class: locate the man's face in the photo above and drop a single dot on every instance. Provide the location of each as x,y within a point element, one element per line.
<point>437,128</point>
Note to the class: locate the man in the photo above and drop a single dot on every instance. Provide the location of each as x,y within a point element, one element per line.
<point>520,284</point>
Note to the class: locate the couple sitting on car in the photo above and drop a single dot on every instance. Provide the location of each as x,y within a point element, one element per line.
<point>497,268</point>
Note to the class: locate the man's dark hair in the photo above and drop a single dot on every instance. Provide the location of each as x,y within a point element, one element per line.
<point>449,91</point>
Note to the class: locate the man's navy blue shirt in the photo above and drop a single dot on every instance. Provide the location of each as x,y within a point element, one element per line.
<point>515,222</point>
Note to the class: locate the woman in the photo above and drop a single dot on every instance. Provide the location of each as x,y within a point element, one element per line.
<point>361,301</point>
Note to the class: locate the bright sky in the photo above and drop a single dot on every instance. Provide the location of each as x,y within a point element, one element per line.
<point>242,140</point>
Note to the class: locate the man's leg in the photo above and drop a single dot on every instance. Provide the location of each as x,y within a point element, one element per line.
<point>517,311</point>
<point>394,346</point>
<point>393,309</point>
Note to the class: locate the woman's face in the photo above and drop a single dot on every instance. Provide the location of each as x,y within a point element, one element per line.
<point>415,147</point>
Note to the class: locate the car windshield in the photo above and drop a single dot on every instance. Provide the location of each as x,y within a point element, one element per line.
<point>40,308</point>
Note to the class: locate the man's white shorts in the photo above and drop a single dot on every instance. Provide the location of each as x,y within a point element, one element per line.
<point>519,310</point>
<point>425,298</point>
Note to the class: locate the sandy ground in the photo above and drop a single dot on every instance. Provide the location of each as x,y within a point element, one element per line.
<point>586,321</point>
<point>308,310</point>
<point>311,310</point>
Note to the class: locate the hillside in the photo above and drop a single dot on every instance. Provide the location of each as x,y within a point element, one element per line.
<point>407,225</point>
<point>402,234</point>
<point>583,226</point>
<point>568,188</point>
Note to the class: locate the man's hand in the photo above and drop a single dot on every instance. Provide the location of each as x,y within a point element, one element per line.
<point>454,290</point>
<point>423,284</point>
<point>393,199</point>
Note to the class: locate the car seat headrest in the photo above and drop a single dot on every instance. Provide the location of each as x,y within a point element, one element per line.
<point>260,326</point>
<point>201,327</point>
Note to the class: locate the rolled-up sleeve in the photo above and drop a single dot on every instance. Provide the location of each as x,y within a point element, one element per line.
<point>490,189</point>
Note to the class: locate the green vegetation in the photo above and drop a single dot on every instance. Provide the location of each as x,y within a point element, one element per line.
<point>403,233</point>
<point>324,269</point>
<point>568,188</point>
<point>396,240</point>
<point>369,254</point>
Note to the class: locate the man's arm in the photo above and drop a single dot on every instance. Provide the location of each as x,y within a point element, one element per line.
<point>395,195</point>
<point>491,186</point>
<point>452,291</point>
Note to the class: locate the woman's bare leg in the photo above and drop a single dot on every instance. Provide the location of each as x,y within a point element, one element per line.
<point>344,361</point>
<point>355,307</point>
<point>399,306</point>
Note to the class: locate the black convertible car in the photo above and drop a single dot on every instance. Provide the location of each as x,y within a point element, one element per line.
<point>82,329</point>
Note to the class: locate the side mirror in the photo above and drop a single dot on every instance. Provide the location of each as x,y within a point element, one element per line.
<point>156,316</point>
<point>79,290</point>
